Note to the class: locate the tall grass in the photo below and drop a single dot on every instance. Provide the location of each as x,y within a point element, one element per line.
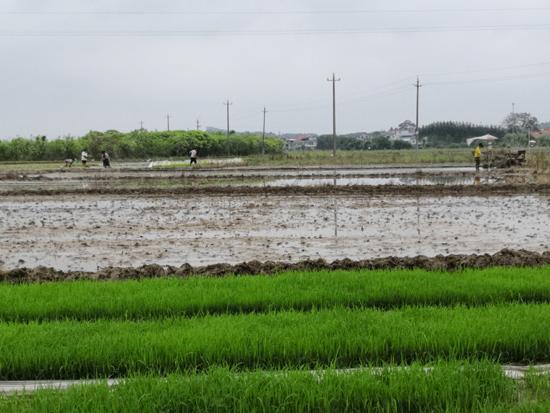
<point>339,337</point>
<point>466,387</point>
<point>156,298</point>
<point>539,159</point>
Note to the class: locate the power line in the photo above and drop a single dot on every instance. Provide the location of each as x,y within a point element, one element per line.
<point>385,90</point>
<point>279,12</point>
<point>494,79</point>
<point>276,32</point>
<point>488,69</point>
<point>363,98</point>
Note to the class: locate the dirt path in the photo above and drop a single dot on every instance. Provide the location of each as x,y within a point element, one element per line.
<point>31,386</point>
<point>90,232</point>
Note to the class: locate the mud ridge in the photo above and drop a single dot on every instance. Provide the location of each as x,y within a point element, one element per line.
<point>428,190</point>
<point>505,257</point>
<point>206,175</point>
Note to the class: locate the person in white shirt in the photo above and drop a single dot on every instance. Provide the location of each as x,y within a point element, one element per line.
<point>193,156</point>
<point>84,157</point>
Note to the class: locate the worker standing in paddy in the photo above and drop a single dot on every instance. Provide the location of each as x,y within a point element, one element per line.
<point>193,157</point>
<point>105,159</point>
<point>477,155</point>
<point>84,157</point>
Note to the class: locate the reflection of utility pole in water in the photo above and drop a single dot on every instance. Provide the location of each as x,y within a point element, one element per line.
<point>419,233</point>
<point>335,208</point>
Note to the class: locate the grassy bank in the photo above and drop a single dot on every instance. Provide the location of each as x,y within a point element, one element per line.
<point>340,337</point>
<point>466,387</point>
<point>156,298</point>
<point>364,158</point>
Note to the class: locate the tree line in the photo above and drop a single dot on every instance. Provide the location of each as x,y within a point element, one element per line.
<point>324,142</point>
<point>454,134</point>
<point>139,144</point>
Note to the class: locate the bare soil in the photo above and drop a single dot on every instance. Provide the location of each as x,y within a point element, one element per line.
<point>92,232</point>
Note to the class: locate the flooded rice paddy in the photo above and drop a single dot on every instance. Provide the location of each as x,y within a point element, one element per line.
<point>87,232</point>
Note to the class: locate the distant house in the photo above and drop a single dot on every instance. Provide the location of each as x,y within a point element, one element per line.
<point>301,142</point>
<point>406,131</point>
<point>540,133</point>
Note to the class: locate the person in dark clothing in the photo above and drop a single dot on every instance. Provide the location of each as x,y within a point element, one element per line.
<point>105,159</point>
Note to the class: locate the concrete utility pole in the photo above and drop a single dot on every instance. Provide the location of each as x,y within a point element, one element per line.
<point>417,85</point>
<point>513,117</point>
<point>227,104</point>
<point>198,125</point>
<point>333,80</point>
<point>141,125</point>
<point>168,122</point>
<point>263,133</point>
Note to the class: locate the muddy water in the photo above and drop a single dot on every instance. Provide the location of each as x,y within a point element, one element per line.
<point>86,232</point>
<point>65,174</point>
<point>75,184</point>
<point>392,180</point>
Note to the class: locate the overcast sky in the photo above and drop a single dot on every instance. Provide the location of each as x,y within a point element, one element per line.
<point>69,66</point>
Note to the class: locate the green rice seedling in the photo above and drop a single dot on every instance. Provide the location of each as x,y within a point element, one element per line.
<point>301,291</point>
<point>534,396</point>
<point>339,337</point>
<point>456,387</point>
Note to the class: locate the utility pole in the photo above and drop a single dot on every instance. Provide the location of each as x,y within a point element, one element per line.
<point>168,122</point>
<point>227,104</point>
<point>141,125</point>
<point>198,124</point>
<point>417,85</point>
<point>263,133</point>
<point>333,80</point>
<point>513,117</point>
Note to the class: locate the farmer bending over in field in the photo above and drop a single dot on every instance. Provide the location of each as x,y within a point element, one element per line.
<point>193,157</point>
<point>69,162</point>
<point>477,155</point>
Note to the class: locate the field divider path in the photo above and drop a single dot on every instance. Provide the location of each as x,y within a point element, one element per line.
<point>514,372</point>
<point>455,262</point>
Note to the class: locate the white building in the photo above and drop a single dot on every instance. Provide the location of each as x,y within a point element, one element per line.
<point>301,143</point>
<point>406,131</point>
